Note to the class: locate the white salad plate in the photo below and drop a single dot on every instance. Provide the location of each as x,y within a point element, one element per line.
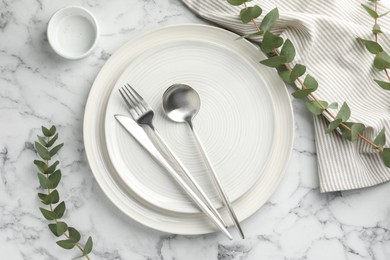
<point>245,123</point>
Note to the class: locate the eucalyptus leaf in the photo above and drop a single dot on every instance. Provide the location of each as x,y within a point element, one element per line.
<point>344,112</point>
<point>274,61</point>
<point>383,84</point>
<point>269,20</point>
<point>56,149</point>
<point>270,42</point>
<point>302,93</point>
<point>52,141</point>
<point>51,168</point>
<point>380,139</point>
<point>41,165</point>
<point>74,234</point>
<point>45,131</point>
<point>356,129</point>
<point>310,82</point>
<point>284,74</point>
<point>41,140</point>
<point>385,155</point>
<point>333,125</point>
<point>370,11</point>
<point>250,13</point>
<point>58,228</point>
<point>44,181</point>
<point>42,151</point>
<point>297,71</point>
<point>47,214</point>
<point>60,210</point>
<point>315,108</point>
<point>376,29</point>
<point>88,246</point>
<point>382,61</point>
<point>334,105</point>
<point>51,198</point>
<point>288,51</point>
<point>54,179</point>
<point>346,133</point>
<point>66,244</point>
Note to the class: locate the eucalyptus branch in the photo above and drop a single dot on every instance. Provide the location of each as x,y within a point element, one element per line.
<point>382,59</point>
<point>49,178</point>
<point>280,60</point>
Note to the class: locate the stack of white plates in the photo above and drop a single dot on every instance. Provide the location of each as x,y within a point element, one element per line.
<point>245,123</point>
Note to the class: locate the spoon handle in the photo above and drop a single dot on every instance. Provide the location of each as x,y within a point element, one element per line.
<point>217,182</point>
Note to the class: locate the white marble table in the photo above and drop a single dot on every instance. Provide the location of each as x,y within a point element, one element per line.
<point>38,87</point>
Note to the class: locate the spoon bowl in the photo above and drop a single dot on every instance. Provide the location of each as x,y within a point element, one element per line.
<point>181,103</point>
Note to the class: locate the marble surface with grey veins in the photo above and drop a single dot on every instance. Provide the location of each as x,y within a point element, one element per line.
<point>38,87</point>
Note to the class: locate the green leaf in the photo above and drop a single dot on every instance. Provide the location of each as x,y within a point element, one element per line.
<point>382,61</point>
<point>372,46</point>
<point>297,71</point>
<point>383,84</point>
<point>356,129</point>
<point>54,179</point>
<point>334,105</point>
<point>383,14</point>
<point>380,139</point>
<point>52,130</point>
<point>284,74</point>
<point>45,131</point>
<point>88,246</point>
<point>269,20</point>
<point>236,2</point>
<point>288,51</point>
<point>345,132</point>
<point>376,29</point>
<point>274,62</point>
<point>302,93</point>
<point>41,165</point>
<point>270,42</point>
<point>41,140</point>
<point>344,112</point>
<point>310,82</point>
<point>49,215</point>
<point>66,244</point>
<point>55,149</point>
<point>59,228</point>
<point>51,168</point>
<point>43,181</point>
<point>250,13</point>
<point>333,125</point>
<point>371,12</point>
<point>51,198</point>
<point>315,108</point>
<point>59,210</point>
<point>42,151</point>
<point>52,141</point>
<point>74,234</point>
<point>385,155</point>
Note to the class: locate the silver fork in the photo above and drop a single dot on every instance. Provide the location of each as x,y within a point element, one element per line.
<point>143,114</point>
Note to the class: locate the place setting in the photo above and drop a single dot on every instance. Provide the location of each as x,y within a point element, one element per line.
<point>182,149</point>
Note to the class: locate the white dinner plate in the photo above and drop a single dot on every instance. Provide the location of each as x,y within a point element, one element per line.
<point>235,122</point>
<point>224,44</point>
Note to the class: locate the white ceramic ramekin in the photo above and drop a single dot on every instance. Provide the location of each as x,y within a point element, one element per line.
<point>73,32</point>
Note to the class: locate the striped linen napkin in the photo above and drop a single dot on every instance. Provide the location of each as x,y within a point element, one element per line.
<point>324,34</point>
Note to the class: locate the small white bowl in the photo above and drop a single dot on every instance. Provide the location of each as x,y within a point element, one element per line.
<point>73,32</point>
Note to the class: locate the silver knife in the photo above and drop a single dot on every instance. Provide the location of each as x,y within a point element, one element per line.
<point>143,139</point>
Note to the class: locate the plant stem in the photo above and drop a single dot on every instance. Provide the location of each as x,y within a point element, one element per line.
<point>56,220</point>
<point>314,97</point>
<point>376,35</point>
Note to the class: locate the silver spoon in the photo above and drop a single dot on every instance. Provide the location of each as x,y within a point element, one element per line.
<point>181,103</point>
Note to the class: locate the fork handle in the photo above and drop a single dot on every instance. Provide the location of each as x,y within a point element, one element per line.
<point>193,182</point>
